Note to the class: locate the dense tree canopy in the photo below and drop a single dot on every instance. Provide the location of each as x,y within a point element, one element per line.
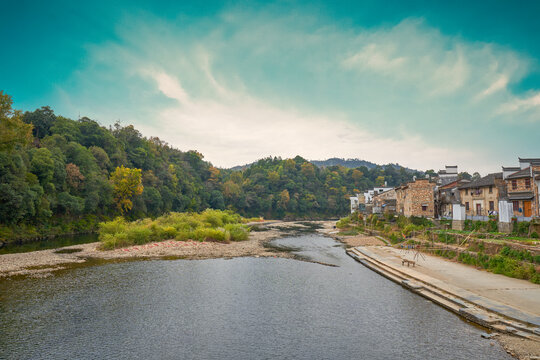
<point>52,167</point>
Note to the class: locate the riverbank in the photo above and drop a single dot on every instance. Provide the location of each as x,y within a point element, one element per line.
<point>43,263</point>
<point>509,307</point>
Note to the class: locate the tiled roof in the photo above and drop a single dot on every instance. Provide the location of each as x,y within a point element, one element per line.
<point>523,195</point>
<point>454,184</point>
<point>485,181</point>
<point>520,174</point>
<point>532,161</point>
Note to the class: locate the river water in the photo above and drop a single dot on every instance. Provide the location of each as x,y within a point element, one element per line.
<point>244,308</point>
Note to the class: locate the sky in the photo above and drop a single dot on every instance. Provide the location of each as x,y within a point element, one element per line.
<point>420,83</point>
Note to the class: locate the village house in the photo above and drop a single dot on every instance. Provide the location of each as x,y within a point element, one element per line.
<point>448,175</point>
<point>385,202</point>
<point>522,188</point>
<point>481,197</point>
<point>368,195</point>
<point>446,196</point>
<point>357,203</point>
<point>416,199</point>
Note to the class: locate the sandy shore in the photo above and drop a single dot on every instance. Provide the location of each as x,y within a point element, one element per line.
<point>43,263</point>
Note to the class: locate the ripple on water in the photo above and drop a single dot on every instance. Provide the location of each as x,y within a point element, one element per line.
<point>240,308</point>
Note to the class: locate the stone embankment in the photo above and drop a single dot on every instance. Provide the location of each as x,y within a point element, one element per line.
<point>509,307</point>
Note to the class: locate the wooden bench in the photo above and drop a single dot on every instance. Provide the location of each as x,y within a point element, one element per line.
<point>408,262</point>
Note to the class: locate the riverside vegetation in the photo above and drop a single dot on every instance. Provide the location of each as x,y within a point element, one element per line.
<point>209,225</point>
<point>59,175</point>
<point>487,250</point>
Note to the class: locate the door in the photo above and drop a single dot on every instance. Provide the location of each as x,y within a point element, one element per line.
<point>527,209</point>
<point>478,209</point>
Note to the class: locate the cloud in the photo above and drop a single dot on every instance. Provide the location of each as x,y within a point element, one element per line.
<point>499,84</point>
<point>245,128</point>
<point>530,103</point>
<point>244,85</point>
<point>373,57</point>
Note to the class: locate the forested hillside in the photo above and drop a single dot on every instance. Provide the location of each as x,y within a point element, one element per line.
<point>62,175</point>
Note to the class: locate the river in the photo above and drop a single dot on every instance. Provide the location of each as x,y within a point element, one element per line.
<point>242,308</point>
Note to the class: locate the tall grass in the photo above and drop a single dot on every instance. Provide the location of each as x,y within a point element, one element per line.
<point>502,264</point>
<point>209,225</point>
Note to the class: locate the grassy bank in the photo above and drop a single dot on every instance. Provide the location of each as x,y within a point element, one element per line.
<point>209,225</point>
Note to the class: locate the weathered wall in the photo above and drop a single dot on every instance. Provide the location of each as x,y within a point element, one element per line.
<point>413,196</point>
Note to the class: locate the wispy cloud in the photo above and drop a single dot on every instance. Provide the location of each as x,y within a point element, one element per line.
<point>252,84</point>
<point>246,128</point>
<point>517,105</point>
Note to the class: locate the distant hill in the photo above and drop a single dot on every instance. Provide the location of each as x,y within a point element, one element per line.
<point>348,163</point>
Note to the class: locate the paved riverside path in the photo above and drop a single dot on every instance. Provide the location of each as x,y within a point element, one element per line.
<point>511,297</point>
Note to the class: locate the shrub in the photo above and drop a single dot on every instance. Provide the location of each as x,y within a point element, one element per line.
<point>395,238</point>
<point>202,234</point>
<point>237,232</point>
<point>421,221</point>
<point>492,226</point>
<point>407,230</point>
<point>402,221</point>
<point>343,223</point>
<point>522,228</point>
<point>214,225</point>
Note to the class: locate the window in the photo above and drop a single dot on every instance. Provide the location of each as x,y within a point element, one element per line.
<point>424,207</point>
<point>467,206</point>
<point>466,191</point>
<point>491,189</point>
<point>515,204</point>
<point>514,184</point>
<point>491,206</point>
<point>528,183</point>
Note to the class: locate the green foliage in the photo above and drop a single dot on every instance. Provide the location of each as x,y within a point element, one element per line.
<point>421,221</point>
<point>449,254</point>
<point>237,232</point>
<point>521,228</point>
<point>343,223</point>
<point>13,132</point>
<point>209,225</point>
<point>410,228</point>
<point>395,238</point>
<point>127,184</point>
<point>521,255</point>
<point>58,170</point>
<point>503,263</point>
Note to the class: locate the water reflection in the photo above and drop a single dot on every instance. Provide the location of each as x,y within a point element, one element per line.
<point>243,308</point>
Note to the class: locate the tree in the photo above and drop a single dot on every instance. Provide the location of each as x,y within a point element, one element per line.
<point>42,119</point>
<point>357,175</point>
<point>73,176</point>
<point>127,183</point>
<point>13,132</point>
<point>42,165</point>
<point>284,199</point>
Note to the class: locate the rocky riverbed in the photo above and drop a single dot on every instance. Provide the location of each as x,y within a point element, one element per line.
<point>44,263</point>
